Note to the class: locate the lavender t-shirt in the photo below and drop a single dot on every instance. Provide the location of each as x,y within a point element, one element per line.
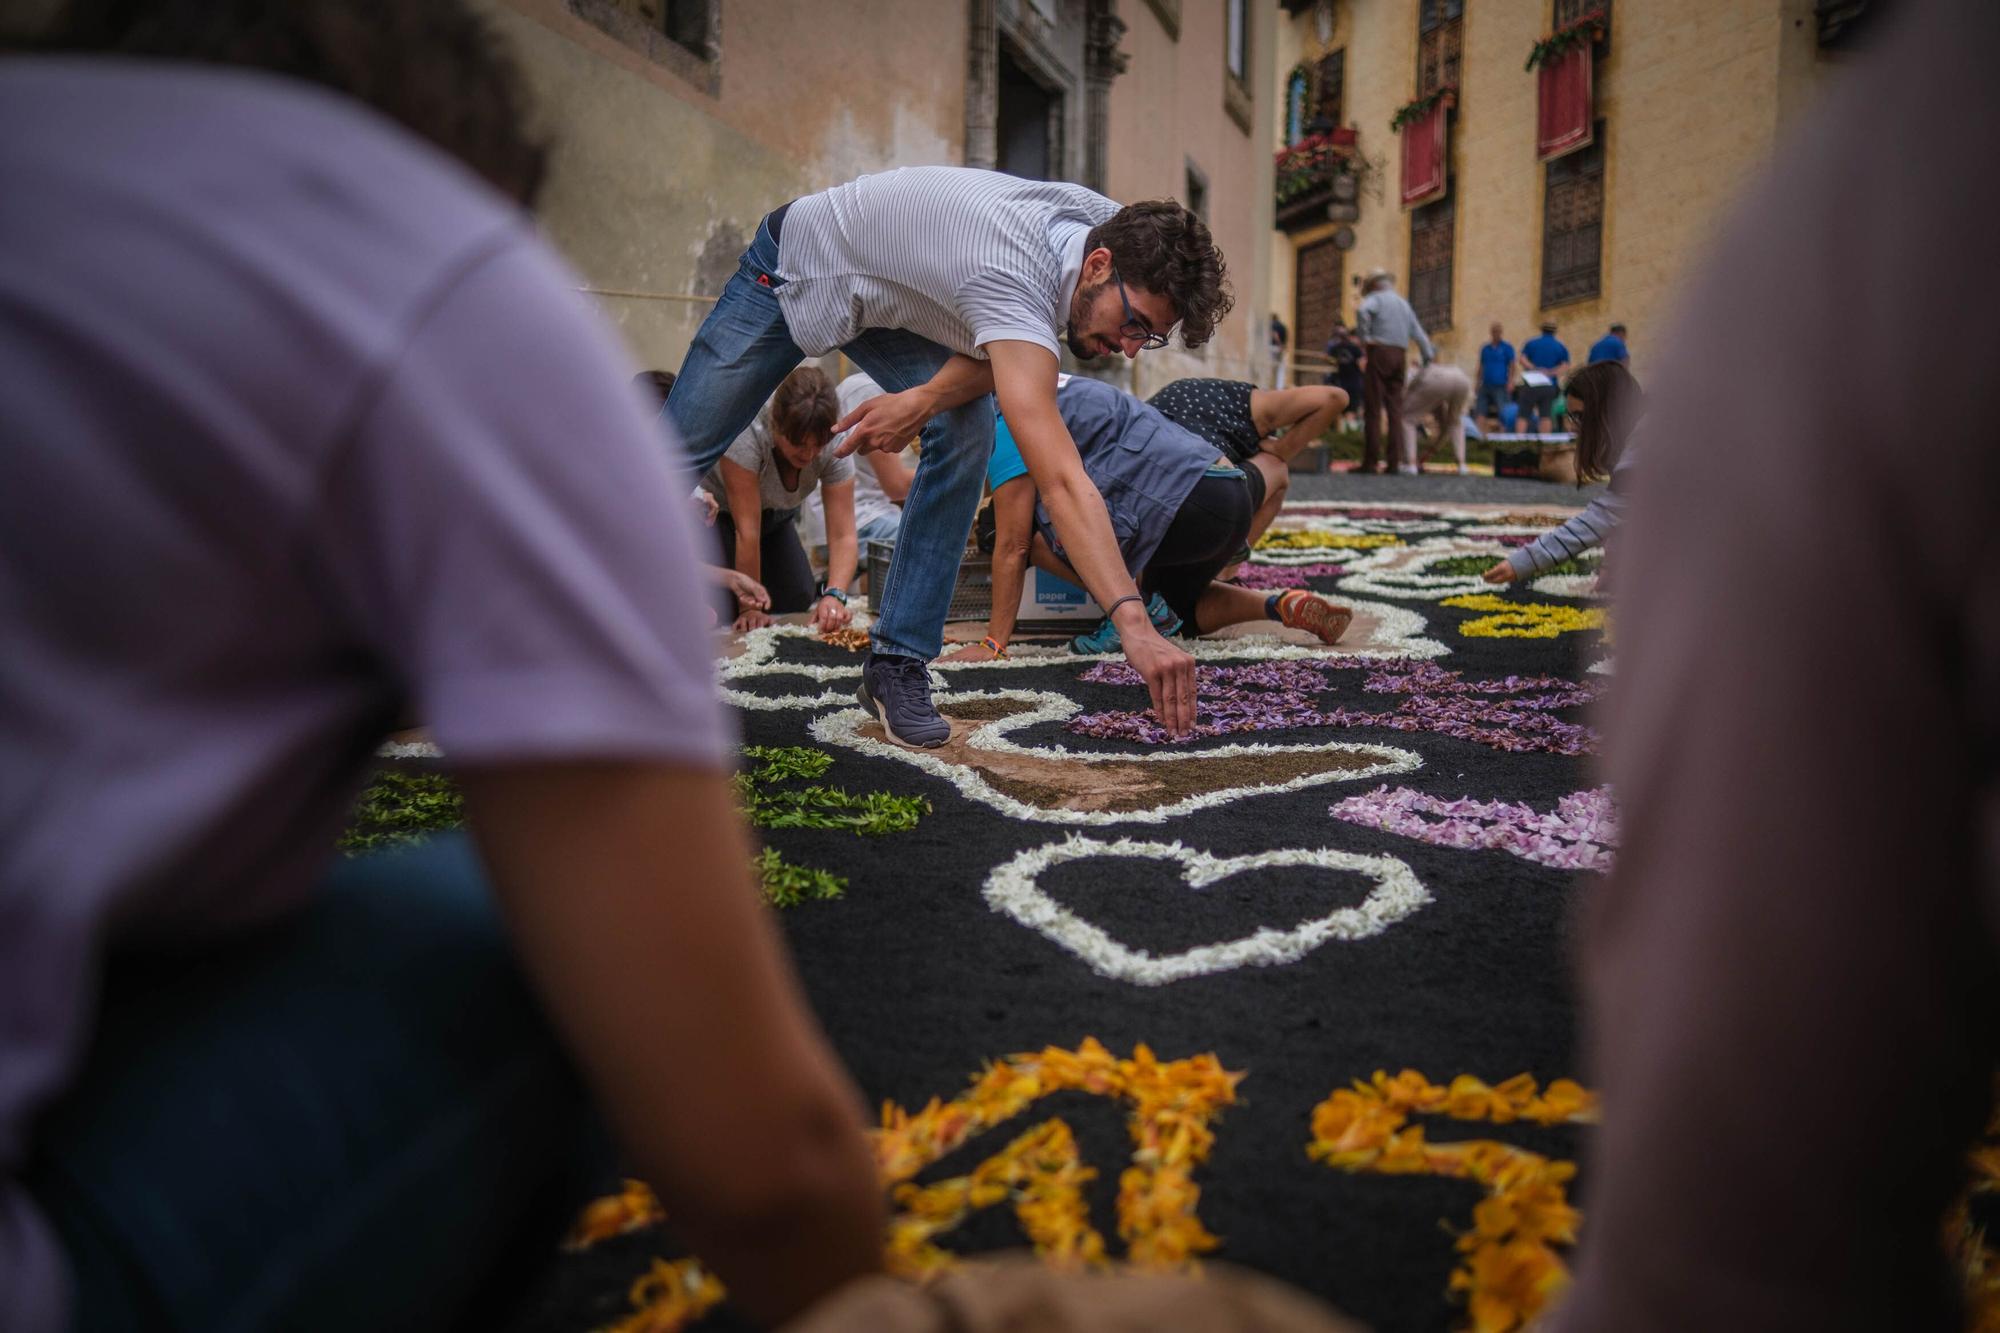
<point>303,427</point>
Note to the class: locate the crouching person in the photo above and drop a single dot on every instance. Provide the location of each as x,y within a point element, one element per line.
<point>1180,513</point>
<point>759,485</point>
<point>1262,430</point>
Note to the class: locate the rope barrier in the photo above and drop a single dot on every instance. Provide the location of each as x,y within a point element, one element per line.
<point>648,296</point>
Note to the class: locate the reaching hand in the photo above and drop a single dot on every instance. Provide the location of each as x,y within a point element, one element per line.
<point>1168,673</point>
<point>749,594</point>
<point>971,652</point>
<point>883,425</point>
<point>1501,572</point>
<point>751,618</point>
<point>830,613</point>
<point>706,503</point>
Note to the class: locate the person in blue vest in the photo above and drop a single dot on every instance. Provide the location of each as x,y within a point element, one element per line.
<point>1182,510</point>
<point>1496,377</point>
<point>1543,360</point>
<point>1611,347</point>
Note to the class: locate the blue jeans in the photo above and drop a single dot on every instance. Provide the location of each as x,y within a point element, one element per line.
<point>1491,398</point>
<point>351,1118</point>
<point>743,352</point>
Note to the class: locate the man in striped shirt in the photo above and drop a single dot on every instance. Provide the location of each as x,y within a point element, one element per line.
<point>951,286</point>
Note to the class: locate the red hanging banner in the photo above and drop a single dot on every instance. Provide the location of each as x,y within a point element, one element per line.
<point>1424,154</point>
<point>1563,123</point>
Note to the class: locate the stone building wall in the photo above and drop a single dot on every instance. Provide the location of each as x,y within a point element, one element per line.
<point>1694,96</point>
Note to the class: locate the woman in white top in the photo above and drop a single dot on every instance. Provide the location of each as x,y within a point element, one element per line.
<point>759,484</point>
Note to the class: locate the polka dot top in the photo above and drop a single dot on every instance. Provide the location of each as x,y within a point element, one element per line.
<point>1216,410</point>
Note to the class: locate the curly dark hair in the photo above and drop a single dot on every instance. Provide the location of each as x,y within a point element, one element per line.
<point>1163,247</point>
<point>433,66</point>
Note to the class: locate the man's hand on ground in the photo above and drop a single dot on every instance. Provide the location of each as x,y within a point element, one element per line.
<point>751,618</point>
<point>1168,672</point>
<point>884,424</point>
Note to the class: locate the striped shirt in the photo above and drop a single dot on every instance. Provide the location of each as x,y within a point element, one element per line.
<point>1386,318</point>
<point>960,256</point>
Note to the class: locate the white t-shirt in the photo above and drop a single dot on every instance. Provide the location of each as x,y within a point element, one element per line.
<point>957,255</point>
<point>871,502</point>
<point>755,450</point>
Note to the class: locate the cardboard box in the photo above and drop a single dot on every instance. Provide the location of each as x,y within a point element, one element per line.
<point>1044,597</point>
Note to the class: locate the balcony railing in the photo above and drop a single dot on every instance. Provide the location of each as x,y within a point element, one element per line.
<point>1317,171</point>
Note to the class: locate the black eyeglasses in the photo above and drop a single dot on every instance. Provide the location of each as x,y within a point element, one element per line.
<point>1134,326</point>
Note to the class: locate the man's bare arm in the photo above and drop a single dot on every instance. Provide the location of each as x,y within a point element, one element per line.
<point>629,893</point>
<point>1024,376</point>
<point>1013,528</point>
<point>892,420</point>
<point>891,473</point>
<point>1303,413</point>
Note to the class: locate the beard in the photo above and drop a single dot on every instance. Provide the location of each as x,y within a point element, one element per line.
<point>1086,300</point>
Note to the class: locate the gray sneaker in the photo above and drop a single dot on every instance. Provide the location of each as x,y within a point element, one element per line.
<point>897,690</point>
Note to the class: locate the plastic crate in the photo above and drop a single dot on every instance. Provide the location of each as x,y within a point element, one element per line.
<point>1550,458</point>
<point>1313,458</point>
<point>971,596</point>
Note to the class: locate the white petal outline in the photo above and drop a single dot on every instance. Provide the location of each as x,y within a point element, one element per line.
<point>1400,635</point>
<point>1014,889</point>
<point>844,729</point>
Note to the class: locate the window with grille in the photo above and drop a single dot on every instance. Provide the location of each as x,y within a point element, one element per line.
<point>1573,224</point>
<point>1430,262</point>
<point>1332,79</point>
<point>1237,33</point>
<point>687,23</point>
<point>1440,28</point>
<point>1196,197</point>
<point>1569,11</point>
<point>1297,95</point>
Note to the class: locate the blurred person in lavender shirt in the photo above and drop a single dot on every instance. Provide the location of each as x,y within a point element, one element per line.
<point>306,427</point>
<point>1792,972</point>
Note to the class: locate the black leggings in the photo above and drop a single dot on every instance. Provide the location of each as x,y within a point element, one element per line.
<point>786,574</point>
<point>1206,534</point>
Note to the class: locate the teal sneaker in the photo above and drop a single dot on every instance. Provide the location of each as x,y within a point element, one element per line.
<point>1106,639</point>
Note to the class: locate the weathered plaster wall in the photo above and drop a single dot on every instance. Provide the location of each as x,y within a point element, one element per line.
<point>1167,110</point>
<point>656,185</point>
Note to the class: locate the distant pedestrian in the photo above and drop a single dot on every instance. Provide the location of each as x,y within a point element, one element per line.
<point>1436,396</point>
<point>1344,350</point>
<point>1543,360</point>
<point>1281,339</point>
<point>1496,377</point>
<point>1611,347</point>
<point>1387,326</point>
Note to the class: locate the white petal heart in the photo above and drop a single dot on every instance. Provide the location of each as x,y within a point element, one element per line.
<point>1014,889</point>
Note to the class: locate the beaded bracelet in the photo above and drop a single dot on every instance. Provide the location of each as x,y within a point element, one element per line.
<point>990,645</point>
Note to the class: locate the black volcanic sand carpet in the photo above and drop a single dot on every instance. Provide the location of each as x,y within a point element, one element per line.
<point>1336,1050</point>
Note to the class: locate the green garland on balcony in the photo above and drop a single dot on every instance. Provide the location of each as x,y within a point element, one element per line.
<point>1588,28</point>
<point>1314,160</point>
<point>1420,108</point>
